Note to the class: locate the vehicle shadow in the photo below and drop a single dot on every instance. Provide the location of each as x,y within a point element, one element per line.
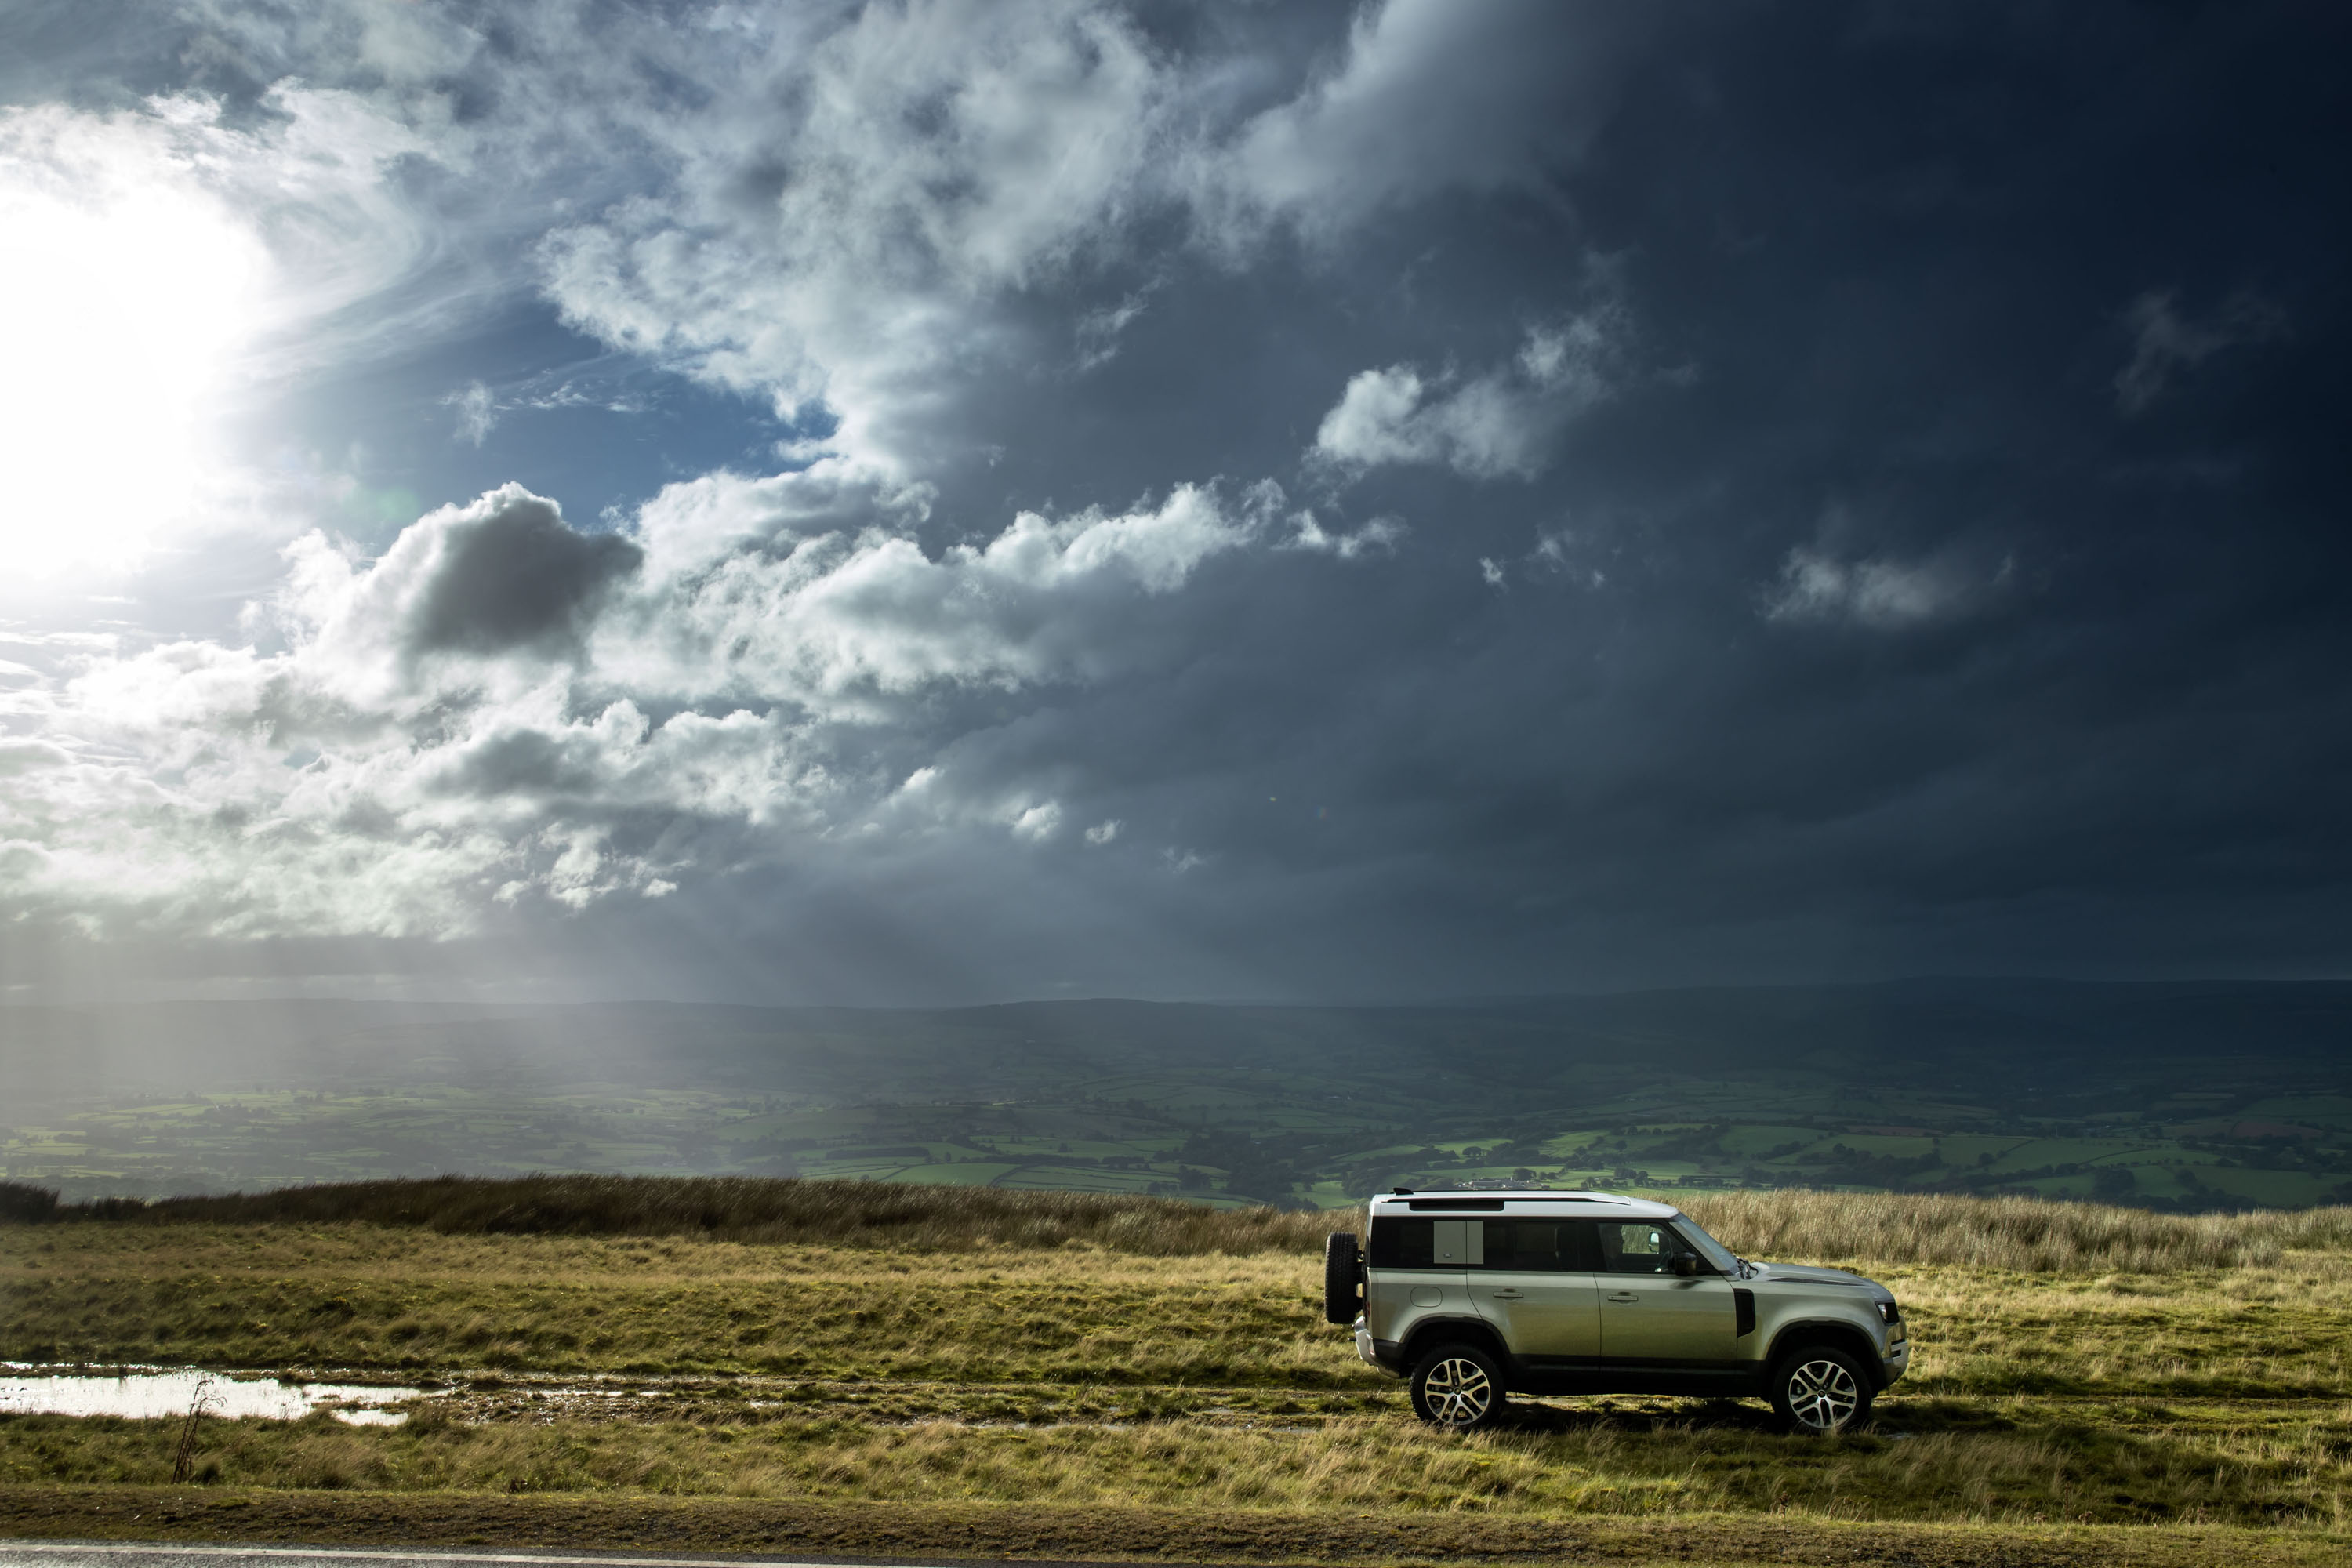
<point>1563,1414</point>
<point>1891,1418</point>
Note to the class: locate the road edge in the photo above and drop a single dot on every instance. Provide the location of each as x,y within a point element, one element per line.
<point>967,1532</point>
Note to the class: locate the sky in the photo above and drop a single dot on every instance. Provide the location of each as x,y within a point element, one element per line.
<point>912,503</point>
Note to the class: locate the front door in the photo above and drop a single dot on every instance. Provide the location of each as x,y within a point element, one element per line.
<point>1650,1314</point>
<point>1535,1284</point>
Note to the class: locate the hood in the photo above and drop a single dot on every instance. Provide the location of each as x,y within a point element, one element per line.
<point>1809,1275</point>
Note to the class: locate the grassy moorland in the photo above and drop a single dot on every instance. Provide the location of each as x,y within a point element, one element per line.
<point>2141,1377</point>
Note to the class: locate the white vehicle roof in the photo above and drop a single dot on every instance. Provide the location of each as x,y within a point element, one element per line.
<point>1531,1203</point>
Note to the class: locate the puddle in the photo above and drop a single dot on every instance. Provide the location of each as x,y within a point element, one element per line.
<point>149,1393</point>
<point>370,1417</point>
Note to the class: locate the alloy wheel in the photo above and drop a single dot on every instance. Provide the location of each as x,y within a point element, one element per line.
<point>1822,1395</point>
<point>1458,1392</point>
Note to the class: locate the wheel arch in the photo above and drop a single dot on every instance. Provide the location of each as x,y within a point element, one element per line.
<point>1430,1332</point>
<point>1835,1331</point>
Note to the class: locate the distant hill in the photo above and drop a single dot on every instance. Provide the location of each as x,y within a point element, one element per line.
<point>2142,1092</point>
<point>2044,1038</point>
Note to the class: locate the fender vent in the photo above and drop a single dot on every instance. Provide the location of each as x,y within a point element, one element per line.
<point>1743,1302</point>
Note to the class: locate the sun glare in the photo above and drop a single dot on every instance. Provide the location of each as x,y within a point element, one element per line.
<point>121,314</point>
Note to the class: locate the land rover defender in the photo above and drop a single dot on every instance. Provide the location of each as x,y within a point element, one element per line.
<point>1472,1296</point>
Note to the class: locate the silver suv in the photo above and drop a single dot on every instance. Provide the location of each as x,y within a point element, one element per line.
<point>1472,1295</point>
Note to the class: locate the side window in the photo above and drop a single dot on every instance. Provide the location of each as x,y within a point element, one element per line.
<point>1428,1243</point>
<point>1402,1244</point>
<point>1457,1243</point>
<point>1539,1245</point>
<point>1642,1248</point>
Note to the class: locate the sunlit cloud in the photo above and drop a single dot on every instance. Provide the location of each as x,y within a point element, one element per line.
<point>1504,422</point>
<point>504,709</point>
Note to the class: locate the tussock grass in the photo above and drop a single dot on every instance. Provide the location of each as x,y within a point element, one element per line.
<point>739,1208</point>
<point>2027,1236</point>
<point>1563,1464</point>
<point>364,1296</point>
<point>2083,1374</point>
<point>410,1300</point>
<point>2016,1234</point>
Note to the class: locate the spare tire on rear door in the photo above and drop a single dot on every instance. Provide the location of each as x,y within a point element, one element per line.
<point>1343,1270</point>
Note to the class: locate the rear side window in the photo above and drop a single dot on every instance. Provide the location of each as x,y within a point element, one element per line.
<point>1402,1244</point>
<point>1534,1246</point>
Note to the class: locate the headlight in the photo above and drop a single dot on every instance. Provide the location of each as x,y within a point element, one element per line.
<point>1888,1312</point>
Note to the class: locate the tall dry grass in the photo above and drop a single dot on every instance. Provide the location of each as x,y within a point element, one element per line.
<point>750,1208</point>
<point>373,1296</point>
<point>2019,1234</point>
<point>2265,1474</point>
<point>2030,1236</point>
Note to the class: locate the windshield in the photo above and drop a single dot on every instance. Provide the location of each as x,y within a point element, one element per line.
<point>1714,1251</point>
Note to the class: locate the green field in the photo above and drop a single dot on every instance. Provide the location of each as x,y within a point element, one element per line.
<point>253,1138</point>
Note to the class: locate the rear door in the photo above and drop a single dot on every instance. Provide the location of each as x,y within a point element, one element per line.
<point>1535,1283</point>
<point>1650,1315</point>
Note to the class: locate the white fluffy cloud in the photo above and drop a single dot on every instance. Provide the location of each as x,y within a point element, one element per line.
<point>851,219</point>
<point>502,708</point>
<point>762,587</point>
<point>844,224</point>
<point>1502,423</point>
<point>1381,536</point>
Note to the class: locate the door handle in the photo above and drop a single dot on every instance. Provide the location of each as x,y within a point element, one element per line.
<point>1507,1295</point>
<point>1624,1295</point>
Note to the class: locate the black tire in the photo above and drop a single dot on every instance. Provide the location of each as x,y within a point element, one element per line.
<point>1458,1387</point>
<point>1343,1270</point>
<point>1820,1390</point>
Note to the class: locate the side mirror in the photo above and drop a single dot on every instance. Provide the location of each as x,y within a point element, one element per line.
<point>1685,1264</point>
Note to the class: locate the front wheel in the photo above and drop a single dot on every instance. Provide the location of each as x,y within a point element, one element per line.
<point>1819,1390</point>
<point>1458,1387</point>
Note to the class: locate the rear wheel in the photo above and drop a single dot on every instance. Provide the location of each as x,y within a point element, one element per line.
<point>1458,1387</point>
<point>1820,1390</point>
<point>1343,1270</point>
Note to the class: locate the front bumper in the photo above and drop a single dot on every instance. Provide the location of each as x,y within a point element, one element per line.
<point>1895,1362</point>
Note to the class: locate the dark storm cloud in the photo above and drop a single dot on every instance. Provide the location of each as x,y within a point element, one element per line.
<point>1834,490</point>
<point>519,762</point>
<point>509,575</point>
<point>1880,634</point>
